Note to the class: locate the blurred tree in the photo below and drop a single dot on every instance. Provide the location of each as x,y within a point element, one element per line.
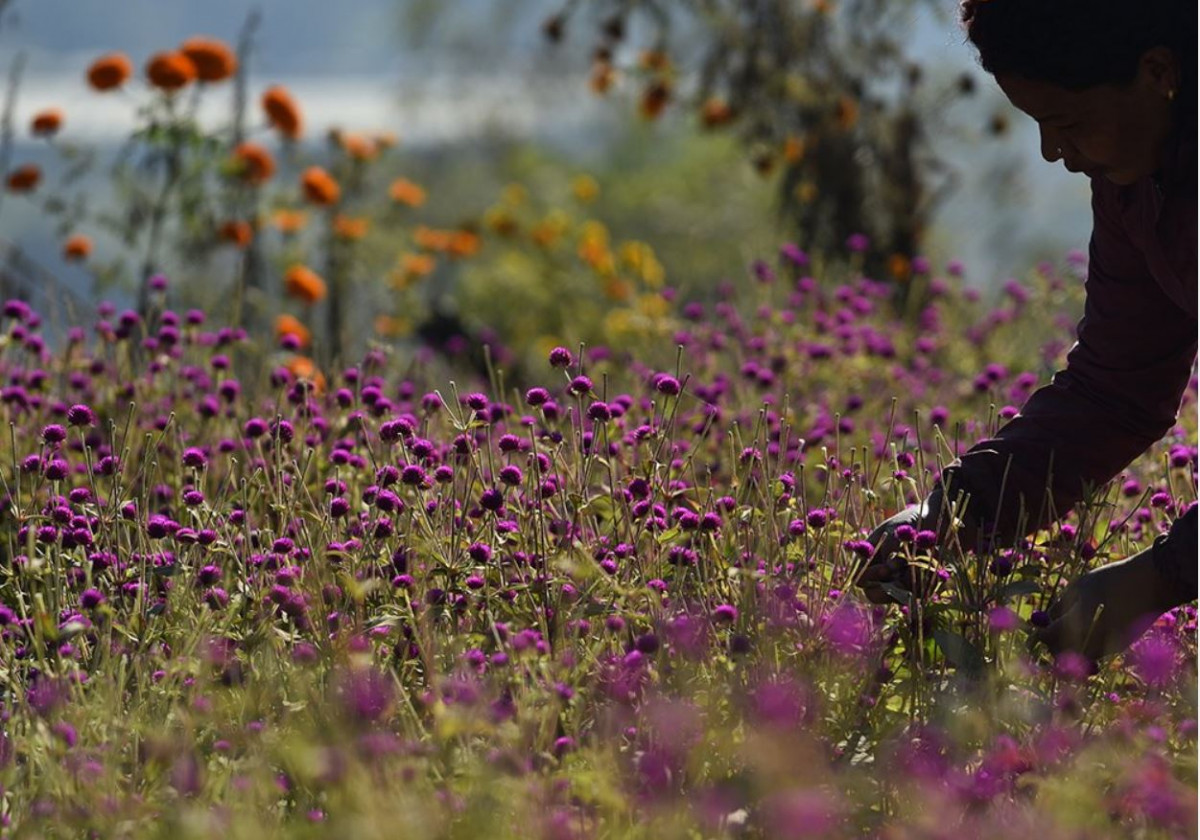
<point>824,91</point>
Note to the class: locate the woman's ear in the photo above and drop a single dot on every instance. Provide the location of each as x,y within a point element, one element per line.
<point>1158,69</point>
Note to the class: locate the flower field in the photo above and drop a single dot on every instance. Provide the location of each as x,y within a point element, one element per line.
<point>617,604</point>
<point>603,591</point>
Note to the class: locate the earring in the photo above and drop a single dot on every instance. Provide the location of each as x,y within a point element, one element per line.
<point>1171,95</point>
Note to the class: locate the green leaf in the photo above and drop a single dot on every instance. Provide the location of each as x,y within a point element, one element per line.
<point>959,652</point>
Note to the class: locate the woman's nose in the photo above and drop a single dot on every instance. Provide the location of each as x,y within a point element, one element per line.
<point>1051,144</point>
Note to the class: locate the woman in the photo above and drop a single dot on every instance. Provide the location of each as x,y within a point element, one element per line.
<point>1112,86</point>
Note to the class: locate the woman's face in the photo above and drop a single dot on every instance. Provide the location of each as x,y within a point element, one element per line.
<point>1113,131</point>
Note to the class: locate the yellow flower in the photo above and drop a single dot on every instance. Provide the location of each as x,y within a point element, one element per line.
<point>514,194</point>
<point>585,188</point>
<point>806,192</point>
<point>618,289</point>
<point>392,327</point>
<point>653,305</point>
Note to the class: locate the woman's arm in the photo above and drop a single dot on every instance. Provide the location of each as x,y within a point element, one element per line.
<point>1119,394</point>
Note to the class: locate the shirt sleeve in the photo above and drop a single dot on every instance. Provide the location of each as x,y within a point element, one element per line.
<point>1119,394</point>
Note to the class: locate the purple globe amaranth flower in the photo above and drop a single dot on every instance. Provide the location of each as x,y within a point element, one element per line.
<point>599,412</point>
<point>580,385</point>
<point>54,434</point>
<point>667,385</point>
<point>91,598</point>
<point>80,415</point>
<point>195,458</point>
<point>560,357</point>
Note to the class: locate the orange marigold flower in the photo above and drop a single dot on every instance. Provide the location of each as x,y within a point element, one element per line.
<point>302,367</point>
<point>291,325</point>
<point>386,139</point>
<point>716,112</point>
<point>900,267</point>
<point>282,111</point>
<point>463,243</point>
<point>109,71</point>
<point>24,178</point>
<point>46,123</point>
<point>170,70</point>
<point>793,148</point>
<point>289,221</point>
<point>302,283</point>
<point>350,227</point>
<point>214,61</point>
<point>430,239</point>
<point>602,77</point>
<point>237,232</point>
<point>253,162</point>
<point>418,265</point>
<point>654,100</point>
<point>319,186</point>
<point>404,191</point>
<point>845,113</point>
<point>656,60</point>
<point>358,146</point>
<point>77,247</point>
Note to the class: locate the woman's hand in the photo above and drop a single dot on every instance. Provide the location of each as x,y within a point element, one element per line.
<point>1107,609</point>
<point>888,564</point>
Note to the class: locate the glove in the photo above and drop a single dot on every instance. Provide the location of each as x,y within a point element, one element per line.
<point>888,564</point>
<point>1107,609</point>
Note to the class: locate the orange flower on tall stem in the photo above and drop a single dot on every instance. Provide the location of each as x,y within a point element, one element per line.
<point>46,123</point>
<point>654,100</point>
<point>350,227</point>
<point>170,70</point>
<point>77,247</point>
<point>463,243</point>
<point>319,186</point>
<point>358,146</point>
<point>716,112</point>
<point>302,367</point>
<point>291,325</point>
<point>254,163</point>
<point>214,61</point>
<point>302,283</point>
<point>289,221</point>
<point>403,191</point>
<point>282,111</point>
<point>237,232</point>
<point>24,178</point>
<point>109,71</point>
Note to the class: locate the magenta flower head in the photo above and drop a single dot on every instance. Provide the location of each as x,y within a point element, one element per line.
<point>158,282</point>
<point>54,434</point>
<point>580,385</point>
<point>536,396</point>
<point>194,457</point>
<point>668,385</point>
<point>366,694</point>
<point>792,253</point>
<point>560,357</point>
<point>91,598</point>
<point>80,415</point>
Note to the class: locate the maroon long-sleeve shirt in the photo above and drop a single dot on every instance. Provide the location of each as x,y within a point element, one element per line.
<point>1124,378</point>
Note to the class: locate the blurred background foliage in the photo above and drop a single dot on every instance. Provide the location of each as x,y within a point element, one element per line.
<point>729,128</point>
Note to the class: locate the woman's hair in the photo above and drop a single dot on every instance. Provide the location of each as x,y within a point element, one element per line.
<point>1078,44</point>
